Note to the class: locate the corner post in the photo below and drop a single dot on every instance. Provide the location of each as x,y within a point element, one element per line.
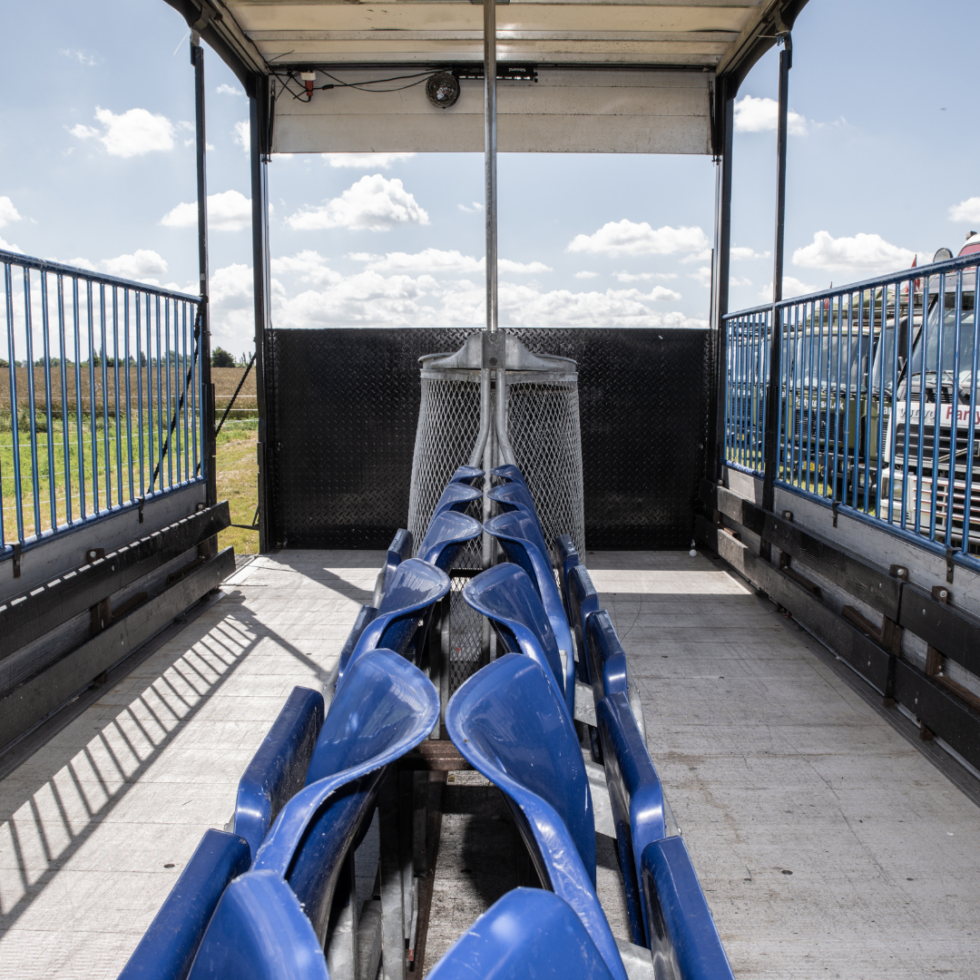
<point>260,122</point>
<point>724,110</point>
<point>207,388</point>
<point>775,387</point>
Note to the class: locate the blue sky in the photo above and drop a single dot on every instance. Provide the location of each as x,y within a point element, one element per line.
<point>97,159</point>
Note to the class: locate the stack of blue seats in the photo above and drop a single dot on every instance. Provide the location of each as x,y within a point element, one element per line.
<point>259,900</point>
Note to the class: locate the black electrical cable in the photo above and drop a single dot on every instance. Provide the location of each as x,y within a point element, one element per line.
<point>286,77</point>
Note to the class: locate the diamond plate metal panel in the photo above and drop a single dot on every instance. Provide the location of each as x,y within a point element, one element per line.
<point>343,408</point>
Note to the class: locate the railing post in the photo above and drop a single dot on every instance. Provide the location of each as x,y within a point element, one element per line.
<point>260,109</point>
<point>724,110</point>
<point>207,409</point>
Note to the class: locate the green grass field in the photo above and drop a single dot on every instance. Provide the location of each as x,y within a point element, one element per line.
<point>236,476</point>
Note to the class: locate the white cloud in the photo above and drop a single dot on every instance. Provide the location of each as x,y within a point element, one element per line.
<point>791,287</point>
<point>365,161</point>
<point>130,134</point>
<point>477,206</point>
<point>631,238</point>
<point>142,263</point>
<point>754,115</point>
<point>968,210</point>
<point>867,254</point>
<point>743,252</point>
<point>224,89</point>
<point>227,211</point>
<point>585,274</point>
<point>644,276</point>
<point>372,203</point>
<point>521,268</point>
<point>82,263</point>
<point>243,135</point>
<point>433,261</point>
<point>10,247</point>
<point>372,299</point>
<point>308,266</point>
<point>702,277</point>
<point>80,56</point>
<point>8,212</point>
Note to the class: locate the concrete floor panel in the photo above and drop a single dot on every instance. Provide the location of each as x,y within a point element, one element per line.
<point>827,845</point>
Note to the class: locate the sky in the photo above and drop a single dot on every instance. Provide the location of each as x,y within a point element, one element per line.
<point>97,170</point>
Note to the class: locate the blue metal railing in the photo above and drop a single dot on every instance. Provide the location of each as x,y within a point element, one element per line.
<point>100,397</point>
<point>878,402</point>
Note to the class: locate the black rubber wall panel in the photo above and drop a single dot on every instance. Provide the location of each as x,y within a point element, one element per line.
<point>343,406</point>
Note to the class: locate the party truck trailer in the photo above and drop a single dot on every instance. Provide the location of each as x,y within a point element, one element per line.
<point>929,459</point>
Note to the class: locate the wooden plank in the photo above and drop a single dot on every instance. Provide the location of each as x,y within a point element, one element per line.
<point>36,698</point>
<point>435,756</point>
<point>30,616</point>
<point>51,556</point>
<point>955,633</point>
<point>863,580</point>
<point>433,832</point>
<point>867,582</point>
<point>940,710</point>
<point>849,643</point>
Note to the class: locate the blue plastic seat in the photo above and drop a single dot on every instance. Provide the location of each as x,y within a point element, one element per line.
<point>415,587</point>
<point>457,497</point>
<point>607,659</point>
<point>506,595</point>
<point>528,934</point>
<point>399,550</point>
<point>566,557</point>
<point>447,533</point>
<point>516,496</point>
<point>466,474</point>
<point>168,947</point>
<point>509,473</point>
<point>682,934</point>
<point>383,709</point>
<point>636,796</point>
<point>583,601</point>
<point>364,616</point>
<point>508,722</point>
<point>259,932</point>
<point>516,532</point>
<point>278,770</point>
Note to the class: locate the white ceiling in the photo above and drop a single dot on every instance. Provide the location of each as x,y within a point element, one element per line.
<point>696,33</point>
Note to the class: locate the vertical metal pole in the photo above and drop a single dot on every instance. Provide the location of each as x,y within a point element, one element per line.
<point>207,408</point>
<point>490,150</point>
<point>259,119</point>
<point>722,259</point>
<point>772,405</point>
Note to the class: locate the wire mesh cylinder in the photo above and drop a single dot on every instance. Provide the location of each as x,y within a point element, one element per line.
<point>543,426</point>
<point>543,423</point>
<point>449,421</point>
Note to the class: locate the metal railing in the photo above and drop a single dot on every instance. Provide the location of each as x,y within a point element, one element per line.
<point>871,378</point>
<point>100,397</point>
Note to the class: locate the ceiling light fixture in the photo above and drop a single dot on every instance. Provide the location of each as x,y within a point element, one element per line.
<point>442,89</point>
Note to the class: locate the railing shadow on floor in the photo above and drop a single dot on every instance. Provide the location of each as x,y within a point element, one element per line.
<point>51,815</point>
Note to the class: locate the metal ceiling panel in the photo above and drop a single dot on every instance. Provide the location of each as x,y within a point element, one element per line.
<point>566,111</point>
<point>609,71</point>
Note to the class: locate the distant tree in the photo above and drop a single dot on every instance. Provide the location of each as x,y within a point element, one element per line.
<point>4,364</point>
<point>221,358</point>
